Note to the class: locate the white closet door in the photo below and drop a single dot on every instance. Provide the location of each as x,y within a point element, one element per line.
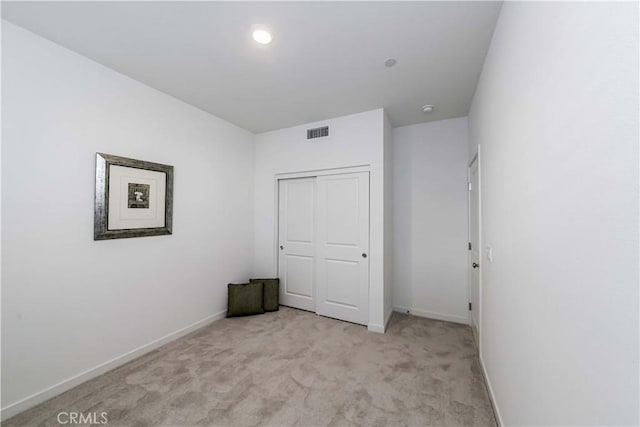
<point>297,245</point>
<point>342,285</point>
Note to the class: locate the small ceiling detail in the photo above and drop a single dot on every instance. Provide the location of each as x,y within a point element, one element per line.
<point>325,61</point>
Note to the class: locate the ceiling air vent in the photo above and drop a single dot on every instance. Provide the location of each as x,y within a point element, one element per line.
<point>318,132</point>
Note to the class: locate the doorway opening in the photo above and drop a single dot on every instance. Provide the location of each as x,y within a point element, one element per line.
<point>475,251</point>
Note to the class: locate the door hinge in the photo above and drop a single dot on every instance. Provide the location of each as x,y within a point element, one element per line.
<point>470,306</point>
<point>469,186</point>
<point>469,245</point>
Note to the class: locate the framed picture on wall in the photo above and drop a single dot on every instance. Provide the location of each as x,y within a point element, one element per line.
<point>134,198</point>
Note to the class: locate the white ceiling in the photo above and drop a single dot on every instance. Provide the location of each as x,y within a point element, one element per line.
<point>326,60</point>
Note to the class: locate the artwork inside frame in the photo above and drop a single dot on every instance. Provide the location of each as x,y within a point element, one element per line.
<point>134,198</point>
<point>138,197</point>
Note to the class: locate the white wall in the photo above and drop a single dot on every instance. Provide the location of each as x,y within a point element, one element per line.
<point>556,114</point>
<point>430,220</point>
<point>355,140</point>
<point>70,304</point>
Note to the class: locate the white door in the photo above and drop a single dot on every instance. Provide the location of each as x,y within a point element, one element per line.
<point>474,253</point>
<point>297,244</point>
<point>342,286</point>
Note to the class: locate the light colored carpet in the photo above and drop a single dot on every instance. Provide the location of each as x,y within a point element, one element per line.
<point>291,368</point>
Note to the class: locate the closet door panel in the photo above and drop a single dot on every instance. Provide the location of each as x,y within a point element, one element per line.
<point>342,284</point>
<point>297,243</point>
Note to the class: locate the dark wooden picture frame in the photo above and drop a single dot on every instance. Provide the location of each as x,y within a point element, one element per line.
<point>101,213</point>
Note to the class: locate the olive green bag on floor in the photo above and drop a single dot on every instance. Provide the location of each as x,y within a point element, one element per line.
<point>271,301</point>
<point>245,299</point>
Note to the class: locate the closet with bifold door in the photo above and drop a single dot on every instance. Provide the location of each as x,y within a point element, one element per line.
<point>323,244</point>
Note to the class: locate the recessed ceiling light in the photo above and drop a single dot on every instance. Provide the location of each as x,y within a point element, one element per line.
<point>262,36</point>
<point>427,108</point>
<point>390,62</point>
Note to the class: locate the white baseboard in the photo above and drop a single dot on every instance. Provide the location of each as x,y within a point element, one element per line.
<point>381,329</point>
<point>56,389</point>
<point>431,314</point>
<point>492,397</point>
<point>374,327</point>
<point>386,321</point>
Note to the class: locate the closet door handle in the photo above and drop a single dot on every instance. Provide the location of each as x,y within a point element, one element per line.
<point>281,247</point>
<point>475,265</point>
<point>364,255</point>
